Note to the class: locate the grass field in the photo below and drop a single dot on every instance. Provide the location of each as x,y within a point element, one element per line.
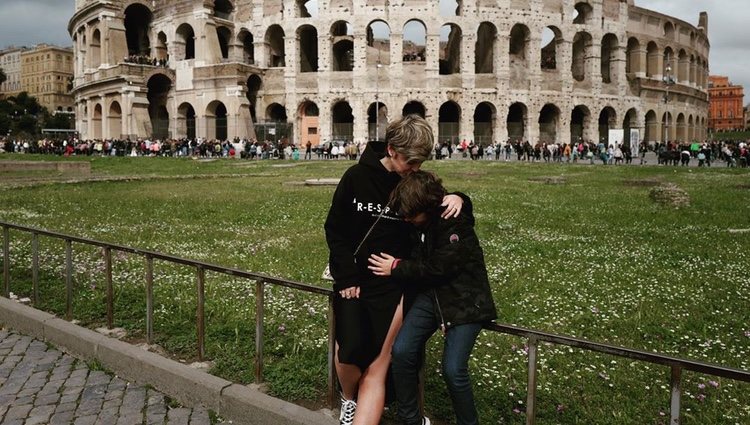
<point>578,250</point>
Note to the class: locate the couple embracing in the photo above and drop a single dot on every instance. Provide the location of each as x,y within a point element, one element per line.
<point>406,261</point>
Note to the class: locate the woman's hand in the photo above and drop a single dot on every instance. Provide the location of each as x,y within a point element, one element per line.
<point>453,205</point>
<point>352,292</point>
<point>381,265</point>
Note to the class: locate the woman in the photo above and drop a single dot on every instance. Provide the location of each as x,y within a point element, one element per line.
<point>368,308</point>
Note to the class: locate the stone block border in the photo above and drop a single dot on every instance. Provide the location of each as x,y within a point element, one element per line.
<point>240,404</point>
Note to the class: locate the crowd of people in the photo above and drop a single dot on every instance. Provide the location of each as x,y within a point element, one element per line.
<point>731,154</point>
<point>147,60</point>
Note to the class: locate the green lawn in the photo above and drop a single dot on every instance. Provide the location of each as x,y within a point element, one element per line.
<point>578,250</point>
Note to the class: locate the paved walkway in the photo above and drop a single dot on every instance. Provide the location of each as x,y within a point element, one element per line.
<point>41,385</point>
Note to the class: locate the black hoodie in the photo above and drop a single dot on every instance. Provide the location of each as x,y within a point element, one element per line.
<point>362,194</point>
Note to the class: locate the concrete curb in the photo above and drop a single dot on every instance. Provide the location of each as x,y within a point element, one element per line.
<point>243,405</point>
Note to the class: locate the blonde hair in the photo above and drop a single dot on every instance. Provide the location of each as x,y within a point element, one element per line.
<point>411,136</point>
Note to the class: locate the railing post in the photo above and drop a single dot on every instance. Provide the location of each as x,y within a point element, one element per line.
<point>331,354</point>
<point>149,299</point>
<point>110,289</point>
<point>531,390</point>
<point>259,307</point>
<point>35,267</point>
<point>674,406</point>
<point>6,262</point>
<point>68,280</point>
<point>200,314</point>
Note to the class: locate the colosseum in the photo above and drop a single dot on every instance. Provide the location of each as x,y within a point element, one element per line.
<point>339,70</point>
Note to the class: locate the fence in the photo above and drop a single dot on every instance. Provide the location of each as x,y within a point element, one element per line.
<point>676,365</point>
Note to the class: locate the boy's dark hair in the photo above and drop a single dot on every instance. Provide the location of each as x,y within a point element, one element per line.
<point>420,191</point>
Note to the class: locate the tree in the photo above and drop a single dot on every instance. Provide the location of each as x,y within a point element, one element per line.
<point>3,77</point>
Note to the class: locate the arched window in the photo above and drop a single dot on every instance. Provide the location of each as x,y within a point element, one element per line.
<point>137,27</point>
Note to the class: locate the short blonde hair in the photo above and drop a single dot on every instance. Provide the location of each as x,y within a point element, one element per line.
<point>411,136</point>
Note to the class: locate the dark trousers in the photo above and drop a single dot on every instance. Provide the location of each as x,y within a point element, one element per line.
<point>419,324</point>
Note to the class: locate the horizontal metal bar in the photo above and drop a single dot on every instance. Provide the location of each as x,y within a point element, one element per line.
<point>695,366</point>
<point>179,260</point>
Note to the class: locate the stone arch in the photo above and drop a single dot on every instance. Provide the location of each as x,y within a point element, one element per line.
<point>449,121</point>
<point>414,48</point>
<point>414,107</point>
<point>216,120</point>
<point>114,120</point>
<point>378,43</point>
<point>159,87</point>
<point>669,68</point>
<point>450,56</point>
<point>551,48</point>
<point>161,46</point>
<point>342,122</point>
<point>254,85</point>
<point>307,8</point>
<point>449,8</point>
<point>96,122</point>
<point>549,121</point>
<point>485,116</point>
<point>583,13</point>
<point>224,35</point>
<point>652,60</point>
<point>609,50</point>
<point>683,66</point>
<point>652,127</point>
<point>308,122</point>
<point>580,123</point>
<point>680,129</point>
<point>669,30</point>
<point>690,128</point>
<point>517,121</point>
<point>138,20</point>
<point>96,48</point>
<point>630,122</point>
<point>693,65</point>
<point>276,112</point>
<point>484,49</point>
<point>607,121</point>
<point>581,52</point>
<point>377,120</point>
<point>223,9</point>
<point>245,38</point>
<point>307,39</point>
<point>667,122</point>
<point>186,120</point>
<point>633,65</point>
<point>185,42</point>
<point>275,41</point>
<point>342,46</point>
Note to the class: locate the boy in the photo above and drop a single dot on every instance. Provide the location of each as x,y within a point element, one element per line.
<point>452,292</point>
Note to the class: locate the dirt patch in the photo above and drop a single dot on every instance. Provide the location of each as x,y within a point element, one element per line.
<point>554,180</point>
<point>743,186</point>
<point>642,183</point>
<point>670,195</point>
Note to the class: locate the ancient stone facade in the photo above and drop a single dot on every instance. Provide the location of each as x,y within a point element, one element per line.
<point>483,70</point>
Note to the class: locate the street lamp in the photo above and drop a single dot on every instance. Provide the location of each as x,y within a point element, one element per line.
<point>668,82</point>
<point>377,102</point>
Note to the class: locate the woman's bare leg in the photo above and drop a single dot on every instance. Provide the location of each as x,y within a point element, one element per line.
<point>372,383</point>
<point>349,376</point>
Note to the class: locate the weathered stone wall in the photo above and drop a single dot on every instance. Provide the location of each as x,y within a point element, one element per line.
<point>605,67</point>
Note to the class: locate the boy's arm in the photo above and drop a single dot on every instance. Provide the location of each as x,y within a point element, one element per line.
<point>439,266</point>
<point>341,257</point>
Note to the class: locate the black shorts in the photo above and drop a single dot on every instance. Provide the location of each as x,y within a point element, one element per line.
<point>362,323</point>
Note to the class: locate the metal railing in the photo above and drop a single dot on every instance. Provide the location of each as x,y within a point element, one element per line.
<point>676,365</point>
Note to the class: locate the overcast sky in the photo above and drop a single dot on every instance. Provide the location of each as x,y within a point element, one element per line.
<point>28,22</point>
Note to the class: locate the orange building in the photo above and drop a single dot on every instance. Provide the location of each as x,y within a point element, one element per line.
<point>726,110</point>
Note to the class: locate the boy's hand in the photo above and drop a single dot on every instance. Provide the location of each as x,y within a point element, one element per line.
<point>453,205</point>
<point>381,265</point>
